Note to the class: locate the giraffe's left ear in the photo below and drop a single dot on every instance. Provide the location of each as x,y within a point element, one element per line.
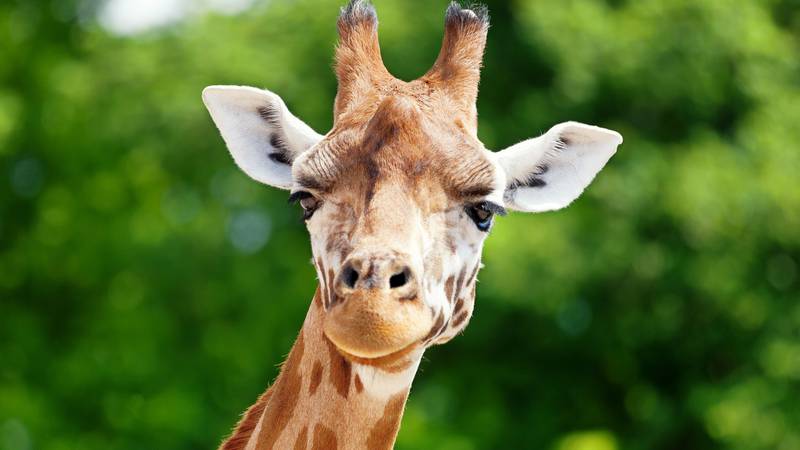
<point>549,172</point>
<point>263,137</point>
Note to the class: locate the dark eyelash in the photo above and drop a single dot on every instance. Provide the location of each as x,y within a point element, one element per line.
<point>297,196</point>
<point>492,208</point>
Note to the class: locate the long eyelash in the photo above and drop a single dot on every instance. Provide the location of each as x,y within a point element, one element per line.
<point>494,208</point>
<point>297,196</point>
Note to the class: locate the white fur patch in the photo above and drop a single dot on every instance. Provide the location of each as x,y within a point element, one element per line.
<point>381,384</point>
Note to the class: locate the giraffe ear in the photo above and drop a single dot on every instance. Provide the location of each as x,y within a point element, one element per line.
<point>549,172</point>
<point>263,137</point>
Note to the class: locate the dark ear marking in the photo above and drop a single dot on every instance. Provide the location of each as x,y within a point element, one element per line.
<point>278,142</point>
<point>533,180</point>
<point>280,158</point>
<point>281,155</point>
<point>270,115</point>
<point>561,143</point>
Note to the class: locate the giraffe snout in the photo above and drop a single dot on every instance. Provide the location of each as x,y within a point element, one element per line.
<point>378,309</point>
<point>389,273</point>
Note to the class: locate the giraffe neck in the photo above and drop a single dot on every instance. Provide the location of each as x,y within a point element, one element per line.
<point>321,400</point>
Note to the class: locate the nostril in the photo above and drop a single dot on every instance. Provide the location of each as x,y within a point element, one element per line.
<point>397,280</point>
<point>350,276</point>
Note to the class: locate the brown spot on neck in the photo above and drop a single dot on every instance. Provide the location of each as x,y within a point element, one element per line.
<point>318,298</point>
<point>358,385</point>
<point>340,369</point>
<point>283,401</point>
<point>302,439</point>
<point>383,434</point>
<point>316,378</point>
<point>324,438</point>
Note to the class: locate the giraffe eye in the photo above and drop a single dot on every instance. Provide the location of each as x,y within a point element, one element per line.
<point>307,201</point>
<point>481,215</point>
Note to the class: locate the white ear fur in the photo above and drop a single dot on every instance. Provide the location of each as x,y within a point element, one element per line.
<point>260,132</point>
<point>549,172</point>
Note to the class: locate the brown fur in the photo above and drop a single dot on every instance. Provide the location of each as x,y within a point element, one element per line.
<point>383,433</point>
<point>448,288</point>
<point>324,438</point>
<point>331,295</point>
<point>457,69</point>
<point>459,305</point>
<point>316,378</point>
<point>302,439</point>
<point>358,56</point>
<point>460,282</point>
<point>282,404</point>
<point>340,370</point>
<point>460,318</point>
<point>436,328</point>
<point>358,385</point>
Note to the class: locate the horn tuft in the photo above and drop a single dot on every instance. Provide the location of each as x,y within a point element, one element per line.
<point>470,15</point>
<point>356,14</point>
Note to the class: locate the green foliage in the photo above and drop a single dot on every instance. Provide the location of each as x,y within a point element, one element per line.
<point>148,289</point>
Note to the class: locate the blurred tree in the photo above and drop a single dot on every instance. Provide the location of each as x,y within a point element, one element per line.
<point>148,289</point>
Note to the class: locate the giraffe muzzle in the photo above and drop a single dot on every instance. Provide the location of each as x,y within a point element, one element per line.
<point>377,310</point>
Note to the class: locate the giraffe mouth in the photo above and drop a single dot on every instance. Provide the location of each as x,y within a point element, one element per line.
<point>395,358</point>
<point>375,329</point>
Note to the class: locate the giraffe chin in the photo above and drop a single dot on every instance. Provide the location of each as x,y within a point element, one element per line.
<point>375,330</point>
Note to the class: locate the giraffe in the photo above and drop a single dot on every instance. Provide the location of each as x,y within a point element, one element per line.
<point>398,198</point>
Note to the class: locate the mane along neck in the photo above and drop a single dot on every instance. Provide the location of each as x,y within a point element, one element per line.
<point>321,400</point>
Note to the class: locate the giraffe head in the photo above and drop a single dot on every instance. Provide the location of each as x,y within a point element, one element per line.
<point>400,194</point>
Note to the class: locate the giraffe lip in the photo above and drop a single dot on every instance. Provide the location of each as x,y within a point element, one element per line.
<point>382,360</point>
<point>373,328</point>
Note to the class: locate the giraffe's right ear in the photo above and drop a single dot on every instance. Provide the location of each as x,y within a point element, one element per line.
<point>263,137</point>
<point>549,172</point>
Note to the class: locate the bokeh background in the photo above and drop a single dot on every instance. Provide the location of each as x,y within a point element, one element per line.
<point>148,289</point>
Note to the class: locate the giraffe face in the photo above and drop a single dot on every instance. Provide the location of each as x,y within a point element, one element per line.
<point>400,194</point>
<point>398,202</point>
